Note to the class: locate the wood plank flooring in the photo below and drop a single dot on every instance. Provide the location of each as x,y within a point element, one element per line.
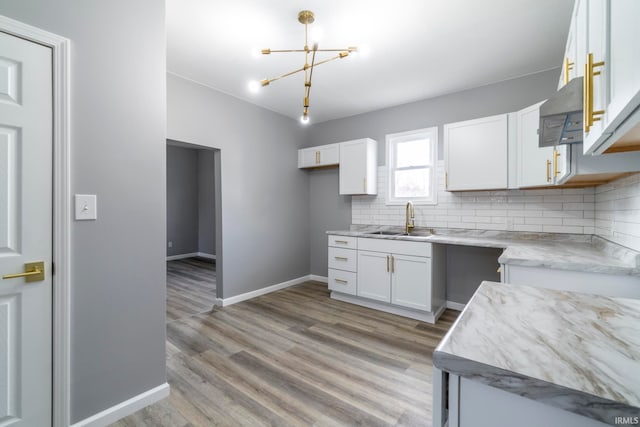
<point>296,358</point>
<point>191,287</point>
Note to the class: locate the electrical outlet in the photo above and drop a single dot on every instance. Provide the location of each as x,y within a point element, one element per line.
<point>170,244</point>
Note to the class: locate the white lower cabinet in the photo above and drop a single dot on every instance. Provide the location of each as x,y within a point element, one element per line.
<point>375,275</point>
<point>468,403</point>
<point>342,281</point>
<point>411,281</point>
<point>343,263</point>
<point>397,276</point>
<point>611,285</point>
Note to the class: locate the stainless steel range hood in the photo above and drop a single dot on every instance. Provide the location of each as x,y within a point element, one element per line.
<point>561,116</point>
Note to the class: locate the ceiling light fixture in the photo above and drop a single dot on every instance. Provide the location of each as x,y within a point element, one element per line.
<point>305,17</point>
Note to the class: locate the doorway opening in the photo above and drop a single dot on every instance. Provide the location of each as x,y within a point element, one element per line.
<point>194,236</point>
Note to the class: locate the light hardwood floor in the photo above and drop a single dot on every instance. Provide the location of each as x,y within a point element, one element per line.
<point>296,358</point>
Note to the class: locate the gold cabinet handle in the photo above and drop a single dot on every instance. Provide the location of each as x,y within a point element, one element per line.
<point>499,270</point>
<point>556,154</point>
<point>341,258</point>
<point>364,184</point>
<point>317,157</point>
<point>33,272</point>
<point>344,282</point>
<point>344,242</point>
<point>548,170</point>
<point>568,66</point>
<point>393,264</point>
<point>387,263</point>
<point>590,116</point>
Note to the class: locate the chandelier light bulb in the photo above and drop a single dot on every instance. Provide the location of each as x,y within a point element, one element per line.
<point>256,52</point>
<point>316,34</point>
<point>254,86</point>
<point>304,119</point>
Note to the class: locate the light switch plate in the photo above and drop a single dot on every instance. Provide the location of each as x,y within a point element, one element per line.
<point>86,207</point>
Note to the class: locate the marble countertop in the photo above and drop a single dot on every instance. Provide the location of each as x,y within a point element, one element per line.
<point>552,250</point>
<point>578,352</point>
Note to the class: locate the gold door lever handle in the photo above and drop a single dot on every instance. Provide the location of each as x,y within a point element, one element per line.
<point>33,272</point>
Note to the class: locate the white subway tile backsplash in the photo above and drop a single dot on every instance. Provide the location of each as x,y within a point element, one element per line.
<point>617,211</point>
<point>562,210</point>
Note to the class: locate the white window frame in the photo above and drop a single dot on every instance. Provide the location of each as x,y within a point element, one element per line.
<point>391,141</point>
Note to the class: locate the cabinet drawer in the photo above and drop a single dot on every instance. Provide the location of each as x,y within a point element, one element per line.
<point>395,246</point>
<point>343,259</point>
<point>343,242</point>
<point>342,281</point>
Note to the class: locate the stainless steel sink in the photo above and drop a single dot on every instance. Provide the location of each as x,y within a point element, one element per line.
<point>389,233</point>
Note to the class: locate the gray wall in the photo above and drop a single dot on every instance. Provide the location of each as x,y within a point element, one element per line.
<point>182,200</point>
<point>467,267</point>
<point>206,202</point>
<point>488,100</point>
<point>264,203</point>
<point>327,211</point>
<point>118,114</point>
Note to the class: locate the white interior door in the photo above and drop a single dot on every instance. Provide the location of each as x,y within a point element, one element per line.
<point>25,232</point>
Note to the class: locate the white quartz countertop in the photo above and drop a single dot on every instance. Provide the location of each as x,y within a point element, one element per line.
<point>575,351</point>
<point>550,250</point>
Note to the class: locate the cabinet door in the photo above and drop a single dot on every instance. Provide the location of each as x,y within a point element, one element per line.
<point>561,164</point>
<point>624,59</point>
<point>358,167</point>
<point>374,275</point>
<point>329,155</point>
<point>476,154</point>
<point>411,281</point>
<point>535,164</point>
<point>308,158</point>
<point>597,16</point>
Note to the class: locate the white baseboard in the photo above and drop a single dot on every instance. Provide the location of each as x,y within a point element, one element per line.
<point>223,302</point>
<point>323,279</point>
<point>206,255</point>
<point>128,407</point>
<point>455,305</point>
<point>191,255</point>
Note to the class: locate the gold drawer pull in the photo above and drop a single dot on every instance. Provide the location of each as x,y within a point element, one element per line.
<point>387,263</point>
<point>393,264</point>
<point>341,258</point>
<point>33,272</point>
<point>344,242</point>
<point>344,282</point>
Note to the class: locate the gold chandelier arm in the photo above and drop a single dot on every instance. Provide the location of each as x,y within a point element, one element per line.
<point>270,51</point>
<point>267,81</point>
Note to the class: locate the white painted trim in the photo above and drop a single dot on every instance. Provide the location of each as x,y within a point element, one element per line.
<point>423,316</point>
<point>323,279</point>
<point>191,255</point>
<point>128,407</point>
<point>60,49</point>
<point>223,302</point>
<point>182,256</point>
<point>206,255</point>
<point>455,305</point>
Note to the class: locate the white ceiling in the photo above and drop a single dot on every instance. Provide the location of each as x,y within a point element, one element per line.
<point>418,48</point>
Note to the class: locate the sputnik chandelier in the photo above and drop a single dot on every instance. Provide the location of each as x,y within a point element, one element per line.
<point>305,17</point>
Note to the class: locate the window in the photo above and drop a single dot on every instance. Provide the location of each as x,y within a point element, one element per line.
<point>411,164</point>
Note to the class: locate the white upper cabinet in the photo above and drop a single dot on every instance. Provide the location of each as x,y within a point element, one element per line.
<point>538,166</point>
<point>476,154</point>
<point>316,157</point>
<point>358,167</point>
<point>573,63</point>
<point>612,79</point>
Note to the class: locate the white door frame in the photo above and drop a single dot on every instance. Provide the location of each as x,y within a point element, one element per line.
<point>61,211</point>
